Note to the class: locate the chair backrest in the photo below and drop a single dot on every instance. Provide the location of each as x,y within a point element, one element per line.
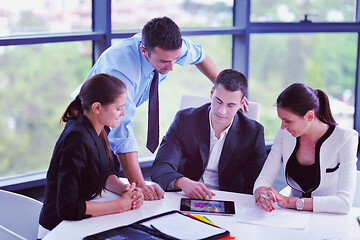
<point>356,202</point>
<point>9,235</point>
<point>19,214</point>
<point>188,101</point>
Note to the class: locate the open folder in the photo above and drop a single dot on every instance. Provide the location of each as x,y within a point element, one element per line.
<point>168,225</point>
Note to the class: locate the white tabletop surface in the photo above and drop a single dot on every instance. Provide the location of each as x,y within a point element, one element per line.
<point>321,225</point>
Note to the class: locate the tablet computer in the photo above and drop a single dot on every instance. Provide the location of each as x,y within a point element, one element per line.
<point>207,206</point>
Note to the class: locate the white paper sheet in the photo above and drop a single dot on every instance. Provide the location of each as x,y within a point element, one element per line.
<point>183,227</point>
<point>280,217</point>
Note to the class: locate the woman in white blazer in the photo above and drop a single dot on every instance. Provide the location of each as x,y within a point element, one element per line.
<point>319,157</point>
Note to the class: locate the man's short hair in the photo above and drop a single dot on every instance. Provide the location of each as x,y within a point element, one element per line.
<point>163,33</point>
<point>232,80</point>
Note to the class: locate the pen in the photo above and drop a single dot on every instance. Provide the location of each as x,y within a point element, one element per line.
<point>267,198</point>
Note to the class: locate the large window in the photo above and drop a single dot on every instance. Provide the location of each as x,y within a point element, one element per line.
<point>132,14</point>
<point>18,17</point>
<point>37,79</point>
<point>295,11</point>
<point>322,60</point>
<point>48,47</point>
<point>34,91</point>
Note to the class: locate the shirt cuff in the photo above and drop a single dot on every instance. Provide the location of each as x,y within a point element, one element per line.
<point>202,57</point>
<point>123,145</point>
<point>171,185</point>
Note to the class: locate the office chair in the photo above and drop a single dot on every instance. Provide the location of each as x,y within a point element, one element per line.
<point>356,202</point>
<point>19,215</point>
<point>9,235</point>
<point>188,101</point>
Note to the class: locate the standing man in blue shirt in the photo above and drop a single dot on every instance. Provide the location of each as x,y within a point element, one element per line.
<point>133,61</point>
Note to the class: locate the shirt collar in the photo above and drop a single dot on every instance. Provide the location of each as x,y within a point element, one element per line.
<point>223,133</point>
<point>146,67</point>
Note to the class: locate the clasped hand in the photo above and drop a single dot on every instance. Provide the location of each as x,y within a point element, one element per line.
<point>134,195</point>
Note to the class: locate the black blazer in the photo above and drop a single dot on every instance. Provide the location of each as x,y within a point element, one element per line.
<point>184,151</point>
<point>78,170</point>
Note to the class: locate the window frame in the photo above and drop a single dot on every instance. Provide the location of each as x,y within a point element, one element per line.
<point>101,36</point>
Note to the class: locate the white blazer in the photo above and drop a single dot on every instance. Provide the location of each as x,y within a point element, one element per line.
<point>336,190</point>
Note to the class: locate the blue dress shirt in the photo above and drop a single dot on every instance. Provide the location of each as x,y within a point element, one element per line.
<point>126,62</point>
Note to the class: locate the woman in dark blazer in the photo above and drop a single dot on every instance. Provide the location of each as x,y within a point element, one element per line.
<point>82,164</point>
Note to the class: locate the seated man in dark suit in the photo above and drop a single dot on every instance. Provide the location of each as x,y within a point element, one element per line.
<point>214,146</point>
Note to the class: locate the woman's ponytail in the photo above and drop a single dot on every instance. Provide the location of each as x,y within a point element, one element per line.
<point>299,99</point>
<point>72,110</point>
<point>324,113</point>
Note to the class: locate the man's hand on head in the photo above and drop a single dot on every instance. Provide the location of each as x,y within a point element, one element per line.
<point>244,105</point>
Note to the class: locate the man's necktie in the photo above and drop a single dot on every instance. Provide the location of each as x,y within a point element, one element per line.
<point>153,114</point>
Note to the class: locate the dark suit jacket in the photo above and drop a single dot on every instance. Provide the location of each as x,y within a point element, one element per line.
<point>78,170</point>
<point>184,151</point>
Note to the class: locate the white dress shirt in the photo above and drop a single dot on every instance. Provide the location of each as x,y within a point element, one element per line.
<point>210,177</point>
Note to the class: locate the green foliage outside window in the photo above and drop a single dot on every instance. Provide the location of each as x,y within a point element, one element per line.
<point>36,80</point>
<point>321,60</point>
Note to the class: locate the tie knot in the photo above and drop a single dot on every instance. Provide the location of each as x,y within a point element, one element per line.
<point>155,78</point>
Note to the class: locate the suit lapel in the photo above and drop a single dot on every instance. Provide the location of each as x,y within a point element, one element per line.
<point>102,158</point>
<point>203,136</point>
<point>231,143</point>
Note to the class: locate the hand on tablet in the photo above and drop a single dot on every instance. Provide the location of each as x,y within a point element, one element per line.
<point>219,207</point>
<point>193,189</point>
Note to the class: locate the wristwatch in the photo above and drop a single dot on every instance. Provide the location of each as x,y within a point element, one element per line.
<point>299,204</point>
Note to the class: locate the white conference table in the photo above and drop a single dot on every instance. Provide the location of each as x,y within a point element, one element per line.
<point>321,225</point>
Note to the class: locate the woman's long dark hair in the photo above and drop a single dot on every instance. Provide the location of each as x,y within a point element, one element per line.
<point>102,88</point>
<point>299,99</point>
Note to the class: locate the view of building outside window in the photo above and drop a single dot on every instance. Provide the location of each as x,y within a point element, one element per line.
<point>132,14</point>
<point>19,17</point>
<point>294,11</point>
